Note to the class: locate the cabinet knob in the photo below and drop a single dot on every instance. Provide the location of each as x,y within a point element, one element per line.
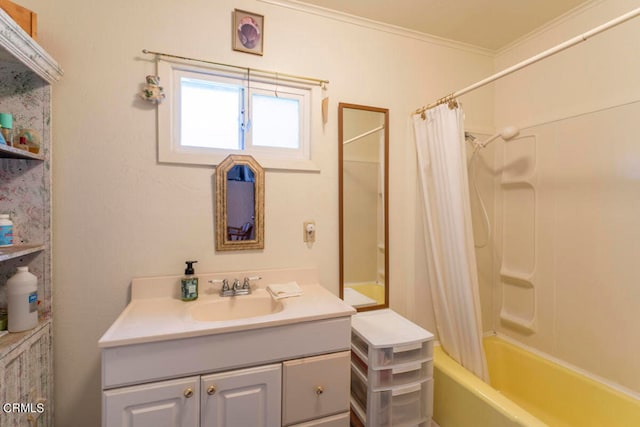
<point>188,393</point>
<point>211,390</point>
<point>319,390</point>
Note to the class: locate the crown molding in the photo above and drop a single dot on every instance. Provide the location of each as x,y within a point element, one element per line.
<point>554,23</point>
<point>378,26</point>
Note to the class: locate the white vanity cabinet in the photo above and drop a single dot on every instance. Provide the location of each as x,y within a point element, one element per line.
<point>305,392</point>
<point>291,368</point>
<point>245,397</point>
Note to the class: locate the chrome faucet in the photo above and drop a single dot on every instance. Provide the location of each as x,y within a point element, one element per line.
<point>225,290</point>
<point>236,288</point>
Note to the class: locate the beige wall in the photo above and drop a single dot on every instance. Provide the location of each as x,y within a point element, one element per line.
<point>567,204</point>
<point>118,214</point>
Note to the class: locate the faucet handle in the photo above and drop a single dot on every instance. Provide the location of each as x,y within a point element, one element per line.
<point>225,283</point>
<point>246,283</point>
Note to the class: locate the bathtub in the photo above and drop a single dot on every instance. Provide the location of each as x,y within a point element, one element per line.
<point>528,390</point>
<point>373,291</point>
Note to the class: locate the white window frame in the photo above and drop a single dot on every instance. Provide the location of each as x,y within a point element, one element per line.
<point>170,150</point>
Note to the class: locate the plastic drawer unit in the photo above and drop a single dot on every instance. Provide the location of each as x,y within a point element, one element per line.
<point>391,370</point>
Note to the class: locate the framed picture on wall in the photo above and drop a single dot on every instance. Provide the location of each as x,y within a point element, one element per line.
<point>248,32</point>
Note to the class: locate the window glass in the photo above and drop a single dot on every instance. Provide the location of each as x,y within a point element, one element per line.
<point>210,114</point>
<point>275,121</point>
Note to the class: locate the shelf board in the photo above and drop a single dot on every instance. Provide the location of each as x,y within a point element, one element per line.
<point>12,340</point>
<point>18,46</point>
<point>17,251</point>
<point>7,152</point>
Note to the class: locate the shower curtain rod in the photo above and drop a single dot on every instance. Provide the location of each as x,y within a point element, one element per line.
<point>545,54</point>
<point>367,133</point>
<point>320,82</point>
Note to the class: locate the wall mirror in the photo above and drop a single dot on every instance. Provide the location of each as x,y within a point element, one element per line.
<point>239,204</point>
<point>363,152</point>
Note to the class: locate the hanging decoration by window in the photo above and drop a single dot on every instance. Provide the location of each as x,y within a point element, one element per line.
<point>152,91</point>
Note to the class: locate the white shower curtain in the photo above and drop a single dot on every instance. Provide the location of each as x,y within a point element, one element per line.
<point>451,258</point>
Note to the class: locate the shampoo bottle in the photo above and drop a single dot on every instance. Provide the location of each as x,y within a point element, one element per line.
<point>189,283</point>
<point>22,296</point>
<point>6,231</point>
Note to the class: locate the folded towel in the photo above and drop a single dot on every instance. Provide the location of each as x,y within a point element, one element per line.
<point>285,290</point>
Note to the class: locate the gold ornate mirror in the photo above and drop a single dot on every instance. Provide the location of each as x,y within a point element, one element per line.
<point>363,151</point>
<point>239,204</point>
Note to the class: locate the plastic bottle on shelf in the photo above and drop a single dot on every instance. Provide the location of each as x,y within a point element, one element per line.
<point>22,296</point>
<point>6,231</point>
<point>6,127</point>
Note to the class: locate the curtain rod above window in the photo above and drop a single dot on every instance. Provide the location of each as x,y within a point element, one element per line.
<point>320,82</point>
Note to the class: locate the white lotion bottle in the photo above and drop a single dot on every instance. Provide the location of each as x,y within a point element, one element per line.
<point>22,301</point>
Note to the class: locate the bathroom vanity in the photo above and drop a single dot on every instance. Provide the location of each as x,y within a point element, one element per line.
<point>165,362</point>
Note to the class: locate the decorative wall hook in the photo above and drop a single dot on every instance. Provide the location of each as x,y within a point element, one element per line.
<point>152,91</point>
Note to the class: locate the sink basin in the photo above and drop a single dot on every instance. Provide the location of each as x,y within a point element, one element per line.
<point>237,307</point>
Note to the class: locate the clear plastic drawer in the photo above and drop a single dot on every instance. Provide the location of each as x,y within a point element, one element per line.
<point>398,375</point>
<point>408,405</point>
<point>377,358</point>
<point>401,406</point>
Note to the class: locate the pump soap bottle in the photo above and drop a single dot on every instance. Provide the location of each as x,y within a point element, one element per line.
<point>189,283</point>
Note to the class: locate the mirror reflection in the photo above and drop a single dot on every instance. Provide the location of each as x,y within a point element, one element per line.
<point>239,204</point>
<point>363,181</point>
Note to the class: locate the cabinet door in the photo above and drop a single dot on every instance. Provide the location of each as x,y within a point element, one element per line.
<point>316,387</point>
<point>242,398</point>
<point>26,377</point>
<point>161,404</point>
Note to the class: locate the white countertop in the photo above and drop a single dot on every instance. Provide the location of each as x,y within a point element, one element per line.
<point>156,313</point>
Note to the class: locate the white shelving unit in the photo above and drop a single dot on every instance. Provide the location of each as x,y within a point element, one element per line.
<point>391,371</point>
<point>26,75</point>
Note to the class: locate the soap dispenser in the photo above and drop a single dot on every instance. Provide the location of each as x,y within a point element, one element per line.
<point>189,283</point>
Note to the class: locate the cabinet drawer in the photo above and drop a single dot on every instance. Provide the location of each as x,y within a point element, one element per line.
<point>315,387</point>
<point>382,357</point>
<point>340,420</point>
<point>396,406</point>
<point>396,376</point>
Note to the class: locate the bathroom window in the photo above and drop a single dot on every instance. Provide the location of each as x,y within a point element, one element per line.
<point>209,114</point>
